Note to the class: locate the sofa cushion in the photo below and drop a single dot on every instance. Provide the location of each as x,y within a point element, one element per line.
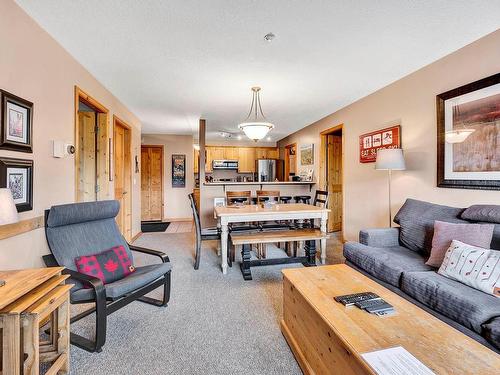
<point>444,233</point>
<point>465,305</point>
<point>491,332</point>
<point>385,263</point>
<point>416,219</point>
<point>489,213</point>
<point>141,277</point>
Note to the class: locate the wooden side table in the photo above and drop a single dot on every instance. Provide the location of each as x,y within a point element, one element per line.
<point>32,299</point>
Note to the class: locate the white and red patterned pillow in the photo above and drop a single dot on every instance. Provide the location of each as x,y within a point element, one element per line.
<point>473,266</point>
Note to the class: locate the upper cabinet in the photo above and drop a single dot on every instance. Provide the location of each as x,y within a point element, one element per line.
<point>246,156</point>
<point>246,159</point>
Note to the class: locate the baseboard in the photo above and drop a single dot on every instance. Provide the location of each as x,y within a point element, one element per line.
<point>136,237</point>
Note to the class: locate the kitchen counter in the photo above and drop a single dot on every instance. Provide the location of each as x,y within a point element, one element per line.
<point>259,183</point>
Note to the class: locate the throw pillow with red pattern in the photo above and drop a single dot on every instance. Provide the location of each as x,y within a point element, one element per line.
<point>110,265</point>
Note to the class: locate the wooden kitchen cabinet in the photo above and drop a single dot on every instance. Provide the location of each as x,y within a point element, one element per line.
<point>196,160</point>
<point>273,153</point>
<point>231,153</point>
<point>246,159</point>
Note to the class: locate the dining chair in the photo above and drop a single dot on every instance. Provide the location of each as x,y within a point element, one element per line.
<point>239,197</point>
<point>201,234</point>
<point>266,195</point>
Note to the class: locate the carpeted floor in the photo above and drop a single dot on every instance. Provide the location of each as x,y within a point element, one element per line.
<point>214,324</point>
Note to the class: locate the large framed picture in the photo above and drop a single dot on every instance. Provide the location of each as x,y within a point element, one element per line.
<point>468,132</point>
<point>16,123</point>
<point>178,171</point>
<point>17,175</point>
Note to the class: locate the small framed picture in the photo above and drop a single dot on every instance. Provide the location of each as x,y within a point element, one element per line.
<point>178,171</point>
<point>16,123</point>
<point>17,175</point>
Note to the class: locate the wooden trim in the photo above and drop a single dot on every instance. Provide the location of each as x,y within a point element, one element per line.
<point>22,226</point>
<point>82,96</point>
<point>134,238</point>
<point>173,219</point>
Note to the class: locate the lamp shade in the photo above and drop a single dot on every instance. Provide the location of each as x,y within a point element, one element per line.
<point>390,159</point>
<point>8,211</point>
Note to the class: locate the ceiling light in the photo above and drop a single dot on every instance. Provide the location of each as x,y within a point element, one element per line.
<point>268,138</point>
<point>256,125</point>
<point>269,37</point>
<point>239,137</point>
<point>458,135</point>
<point>196,147</point>
<point>225,134</point>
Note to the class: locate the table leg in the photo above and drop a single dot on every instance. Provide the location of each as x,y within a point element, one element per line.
<point>223,246</point>
<point>323,241</point>
<point>11,353</point>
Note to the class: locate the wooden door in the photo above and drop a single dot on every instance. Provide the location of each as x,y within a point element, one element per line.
<point>334,181</point>
<point>122,177</point>
<point>152,183</point>
<point>87,174</point>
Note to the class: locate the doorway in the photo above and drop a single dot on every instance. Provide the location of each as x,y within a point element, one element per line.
<point>122,136</point>
<point>290,160</point>
<point>331,174</point>
<point>92,149</point>
<point>151,183</point>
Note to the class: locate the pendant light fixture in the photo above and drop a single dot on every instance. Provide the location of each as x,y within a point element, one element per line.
<point>256,125</point>
<point>457,135</point>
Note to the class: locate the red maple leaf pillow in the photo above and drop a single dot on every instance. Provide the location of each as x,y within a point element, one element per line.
<point>110,265</point>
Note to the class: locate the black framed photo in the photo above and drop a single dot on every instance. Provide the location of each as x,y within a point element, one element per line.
<point>468,136</point>
<point>17,175</point>
<point>16,123</point>
<point>178,171</point>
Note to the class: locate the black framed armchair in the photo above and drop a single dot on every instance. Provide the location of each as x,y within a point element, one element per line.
<point>82,229</point>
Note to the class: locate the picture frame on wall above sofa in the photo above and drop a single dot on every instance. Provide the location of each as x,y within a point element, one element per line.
<point>17,174</point>
<point>16,123</point>
<point>178,171</point>
<point>468,136</point>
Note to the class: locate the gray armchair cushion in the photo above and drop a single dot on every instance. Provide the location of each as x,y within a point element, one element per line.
<point>384,237</point>
<point>141,277</point>
<point>416,219</point>
<point>385,263</point>
<point>83,229</point>
<point>467,306</point>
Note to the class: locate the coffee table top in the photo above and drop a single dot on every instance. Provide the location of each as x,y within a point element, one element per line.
<point>436,344</point>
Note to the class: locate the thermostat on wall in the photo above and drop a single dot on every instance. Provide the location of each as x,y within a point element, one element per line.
<point>62,149</point>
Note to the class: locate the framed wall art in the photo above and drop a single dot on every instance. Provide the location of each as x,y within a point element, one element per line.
<point>468,136</point>
<point>370,143</point>
<point>178,171</point>
<point>16,123</point>
<point>307,154</point>
<point>17,175</point>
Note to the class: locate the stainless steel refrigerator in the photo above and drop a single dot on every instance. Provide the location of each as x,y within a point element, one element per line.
<point>267,170</point>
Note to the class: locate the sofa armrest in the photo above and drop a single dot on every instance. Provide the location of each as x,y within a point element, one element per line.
<point>384,237</point>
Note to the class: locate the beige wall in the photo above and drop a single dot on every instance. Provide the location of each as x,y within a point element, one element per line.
<point>411,102</point>
<point>35,67</point>
<point>176,203</point>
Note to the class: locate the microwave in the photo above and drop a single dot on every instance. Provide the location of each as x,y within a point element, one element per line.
<point>225,164</point>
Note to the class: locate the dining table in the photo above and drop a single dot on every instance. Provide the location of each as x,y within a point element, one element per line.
<point>226,215</point>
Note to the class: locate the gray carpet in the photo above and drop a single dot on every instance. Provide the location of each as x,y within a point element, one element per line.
<point>214,324</point>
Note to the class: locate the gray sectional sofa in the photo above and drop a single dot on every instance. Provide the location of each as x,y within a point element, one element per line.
<point>395,258</point>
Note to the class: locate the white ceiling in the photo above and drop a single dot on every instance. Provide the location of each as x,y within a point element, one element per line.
<point>172,62</point>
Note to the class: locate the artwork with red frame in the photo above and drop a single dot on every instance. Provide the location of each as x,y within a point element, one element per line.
<point>370,143</point>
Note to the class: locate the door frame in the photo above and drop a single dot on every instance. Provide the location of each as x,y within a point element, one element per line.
<point>162,170</point>
<point>323,164</point>
<point>119,122</point>
<point>287,159</point>
<point>82,96</point>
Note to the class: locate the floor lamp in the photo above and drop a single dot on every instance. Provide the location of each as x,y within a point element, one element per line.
<point>390,159</point>
<point>8,211</point>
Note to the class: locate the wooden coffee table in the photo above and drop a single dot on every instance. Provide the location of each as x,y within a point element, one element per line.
<point>328,338</point>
